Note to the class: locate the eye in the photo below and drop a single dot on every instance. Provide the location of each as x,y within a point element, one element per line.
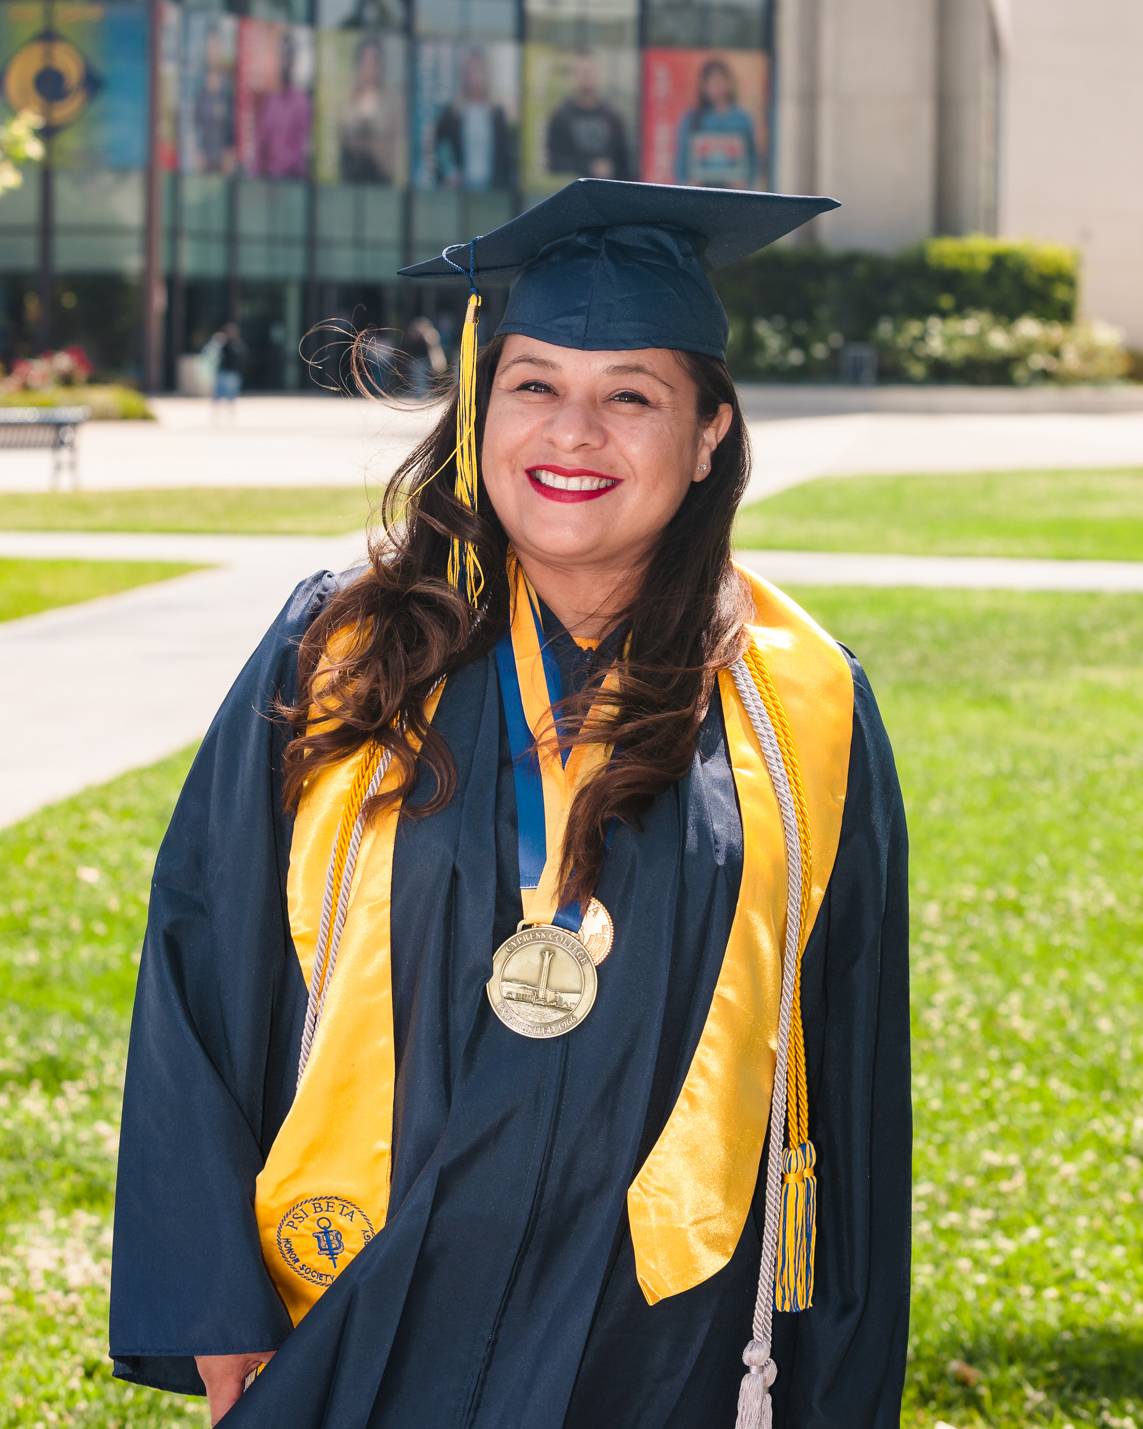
<point>631,397</point>
<point>535,385</point>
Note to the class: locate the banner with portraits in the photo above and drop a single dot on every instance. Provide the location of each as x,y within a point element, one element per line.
<point>465,114</point>
<point>360,132</point>
<point>273,115</point>
<point>580,115</point>
<point>83,68</point>
<point>207,95</point>
<point>705,118</point>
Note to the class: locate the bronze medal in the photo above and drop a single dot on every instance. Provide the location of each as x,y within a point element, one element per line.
<point>543,981</point>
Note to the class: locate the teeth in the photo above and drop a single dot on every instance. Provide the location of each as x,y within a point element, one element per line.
<point>571,483</point>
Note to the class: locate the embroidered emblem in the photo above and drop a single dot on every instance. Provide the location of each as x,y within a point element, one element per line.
<point>320,1235</point>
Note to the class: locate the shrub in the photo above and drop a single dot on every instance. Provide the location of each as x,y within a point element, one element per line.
<point>980,348</point>
<point>847,295</point>
<point>110,402</point>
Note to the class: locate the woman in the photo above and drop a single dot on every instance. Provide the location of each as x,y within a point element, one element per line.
<point>474,943</point>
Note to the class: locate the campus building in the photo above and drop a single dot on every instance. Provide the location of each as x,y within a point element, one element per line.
<point>274,163</point>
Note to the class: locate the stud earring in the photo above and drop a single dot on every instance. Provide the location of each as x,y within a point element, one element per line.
<point>703,467</point>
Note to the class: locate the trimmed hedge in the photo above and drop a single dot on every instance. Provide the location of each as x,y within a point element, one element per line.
<point>841,297</point>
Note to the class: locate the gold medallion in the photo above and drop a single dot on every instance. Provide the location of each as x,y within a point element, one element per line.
<point>597,931</point>
<point>543,981</point>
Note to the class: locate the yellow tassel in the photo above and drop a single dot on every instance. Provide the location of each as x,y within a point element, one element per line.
<point>464,571</point>
<point>794,1286</point>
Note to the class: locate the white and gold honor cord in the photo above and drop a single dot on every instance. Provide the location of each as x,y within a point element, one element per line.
<point>755,1410</point>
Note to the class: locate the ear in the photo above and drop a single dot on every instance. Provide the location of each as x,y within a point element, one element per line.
<point>710,437</point>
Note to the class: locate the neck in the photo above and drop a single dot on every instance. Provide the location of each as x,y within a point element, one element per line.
<point>587,601</point>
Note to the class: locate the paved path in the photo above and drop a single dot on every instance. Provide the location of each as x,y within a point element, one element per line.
<point>284,441</point>
<point>948,572</point>
<point>116,683</point>
<point>119,682</point>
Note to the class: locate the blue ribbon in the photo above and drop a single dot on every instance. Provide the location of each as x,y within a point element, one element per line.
<point>531,827</point>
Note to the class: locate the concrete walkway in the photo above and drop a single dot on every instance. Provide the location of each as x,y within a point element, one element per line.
<point>116,683</point>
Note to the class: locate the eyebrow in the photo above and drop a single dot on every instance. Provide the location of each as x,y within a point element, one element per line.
<point>617,368</point>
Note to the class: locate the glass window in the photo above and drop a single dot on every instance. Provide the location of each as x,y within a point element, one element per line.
<point>737,24</point>
<point>20,208</point>
<point>97,199</point>
<point>576,24</point>
<point>204,200</point>
<point>441,218</point>
<point>467,19</point>
<point>362,14</point>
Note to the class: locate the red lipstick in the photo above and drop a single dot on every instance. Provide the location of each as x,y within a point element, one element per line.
<point>562,493</point>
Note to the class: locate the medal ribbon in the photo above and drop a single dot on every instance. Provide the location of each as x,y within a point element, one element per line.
<point>545,776</point>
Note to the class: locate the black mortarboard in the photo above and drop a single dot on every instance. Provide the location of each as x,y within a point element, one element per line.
<point>606,265</point>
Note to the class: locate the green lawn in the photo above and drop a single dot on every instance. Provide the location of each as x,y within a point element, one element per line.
<point>243,510</point>
<point>1065,514</point>
<point>1016,720</point>
<point>28,586</point>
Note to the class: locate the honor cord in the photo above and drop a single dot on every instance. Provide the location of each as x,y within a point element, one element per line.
<point>755,1409</point>
<point>339,882</point>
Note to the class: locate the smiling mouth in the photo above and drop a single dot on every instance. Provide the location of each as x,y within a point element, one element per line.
<point>559,485</point>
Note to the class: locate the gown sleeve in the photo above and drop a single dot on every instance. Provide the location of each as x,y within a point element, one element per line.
<point>216,1026</point>
<point>841,1365</point>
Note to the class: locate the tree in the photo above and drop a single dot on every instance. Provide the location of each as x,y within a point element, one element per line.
<point>19,144</point>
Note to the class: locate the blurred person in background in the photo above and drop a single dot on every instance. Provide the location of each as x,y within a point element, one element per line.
<point>424,356</point>
<point>473,141</point>
<point>226,353</point>
<point>716,138</point>
<point>586,135</point>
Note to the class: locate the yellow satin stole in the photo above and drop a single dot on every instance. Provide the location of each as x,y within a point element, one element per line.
<point>323,1192</point>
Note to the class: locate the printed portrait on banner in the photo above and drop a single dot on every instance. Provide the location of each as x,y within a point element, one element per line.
<point>83,68</point>
<point>465,108</point>
<point>579,114</point>
<point>207,99</point>
<point>359,113</point>
<point>705,118</point>
<point>274,113</point>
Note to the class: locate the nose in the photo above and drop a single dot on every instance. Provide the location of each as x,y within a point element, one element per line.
<point>575,425</point>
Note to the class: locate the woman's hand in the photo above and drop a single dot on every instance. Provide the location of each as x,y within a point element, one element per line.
<point>224,1376</point>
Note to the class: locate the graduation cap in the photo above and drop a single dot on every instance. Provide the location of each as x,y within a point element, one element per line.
<point>605,265</point>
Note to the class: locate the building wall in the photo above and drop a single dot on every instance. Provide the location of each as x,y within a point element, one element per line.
<point>1071,161</point>
<point>857,115</point>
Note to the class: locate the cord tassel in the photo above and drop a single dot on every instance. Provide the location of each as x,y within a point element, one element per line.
<point>755,1407</point>
<point>464,571</point>
<point>794,1284</point>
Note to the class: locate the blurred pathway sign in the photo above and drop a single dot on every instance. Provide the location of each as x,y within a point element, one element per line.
<point>83,68</point>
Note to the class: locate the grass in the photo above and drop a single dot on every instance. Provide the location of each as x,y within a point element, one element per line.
<point>73,901</point>
<point>29,586</point>
<point>1016,723</point>
<point>254,510</point>
<point>1061,514</point>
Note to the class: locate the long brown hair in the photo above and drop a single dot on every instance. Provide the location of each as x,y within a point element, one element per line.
<point>370,660</point>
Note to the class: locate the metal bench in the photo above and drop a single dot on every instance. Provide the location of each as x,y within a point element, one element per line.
<point>53,427</point>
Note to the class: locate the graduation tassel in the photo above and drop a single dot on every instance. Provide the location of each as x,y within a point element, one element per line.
<point>464,571</point>
<point>794,1286</point>
<point>797,1228</point>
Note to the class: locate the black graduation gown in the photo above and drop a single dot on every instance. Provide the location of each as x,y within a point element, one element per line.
<point>501,1292</point>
